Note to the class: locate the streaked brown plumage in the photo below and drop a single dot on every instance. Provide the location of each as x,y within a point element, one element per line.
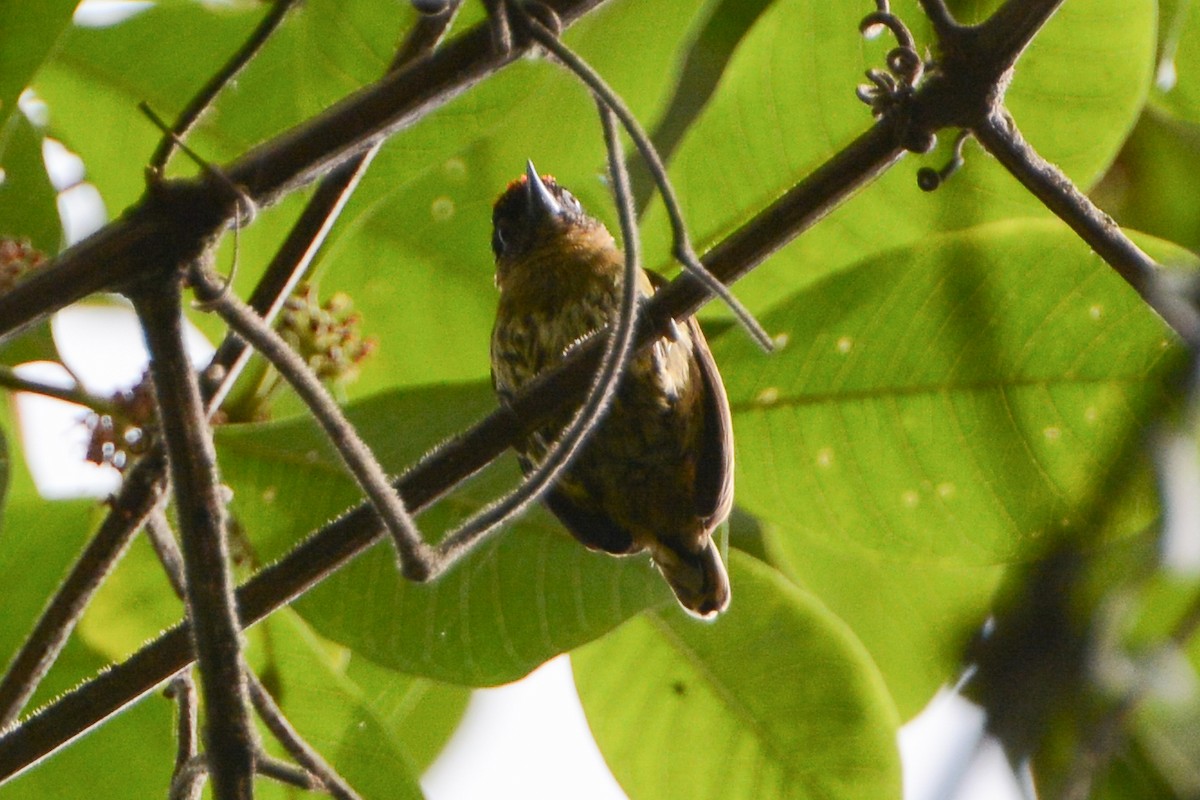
<point>657,474</point>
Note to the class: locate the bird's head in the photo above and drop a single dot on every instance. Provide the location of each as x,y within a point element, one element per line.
<point>534,210</point>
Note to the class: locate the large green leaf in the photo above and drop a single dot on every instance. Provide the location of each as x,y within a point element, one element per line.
<point>1154,186</point>
<point>526,595</point>
<point>420,713</point>
<point>914,617</point>
<point>952,402</point>
<point>776,699</point>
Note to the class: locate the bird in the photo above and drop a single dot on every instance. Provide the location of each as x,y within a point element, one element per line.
<point>656,474</point>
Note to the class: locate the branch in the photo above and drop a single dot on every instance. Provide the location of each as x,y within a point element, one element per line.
<point>9,379</point>
<point>228,734</point>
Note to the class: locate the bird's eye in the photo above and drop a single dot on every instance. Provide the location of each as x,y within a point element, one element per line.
<point>571,205</point>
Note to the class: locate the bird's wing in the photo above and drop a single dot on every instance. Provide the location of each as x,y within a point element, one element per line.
<point>714,470</point>
<point>594,530</point>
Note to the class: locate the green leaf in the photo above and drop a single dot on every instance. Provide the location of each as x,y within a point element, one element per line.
<point>914,617</point>
<point>39,540</point>
<point>420,714</point>
<point>34,344</point>
<point>28,33</point>
<point>786,104</point>
<point>952,402</point>
<point>1153,187</point>
<point>776,699</point>
<point>526,595</point>
<point>27,200</point>
<point>134,605</point>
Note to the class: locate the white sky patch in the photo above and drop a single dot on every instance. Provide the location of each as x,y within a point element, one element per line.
<point>106,13</point>
<point>1179,478</point>
<point>528,740</point>
<point>946,755</point>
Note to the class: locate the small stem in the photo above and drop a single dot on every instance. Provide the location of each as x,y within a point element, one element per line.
<point>158,530</point>
<point>940,17</point>
<point>183,691</point>
<point>188,782</point>
<point>1000,137</point>
<point>228,734</point>
<point>307,757</point>
<point>286,773</point>
<point>1012,27</point>
<point>9,379</point>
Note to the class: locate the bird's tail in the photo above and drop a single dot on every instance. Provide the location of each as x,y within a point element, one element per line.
<point>698,579</point>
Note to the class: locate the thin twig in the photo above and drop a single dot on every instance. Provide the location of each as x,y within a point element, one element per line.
<point>182,690</point>
<point>9,379</point>
<point>414,554</point>
<point>205,97</point>
<point>684,253</point>
<point>187,783</point>
<point>228,734</point>
<point>617,350</point>
<point>286,773</point>
<point>306,756</point>
<point>944,24</point>
<point>1000,137</point>
<point>162,539</point>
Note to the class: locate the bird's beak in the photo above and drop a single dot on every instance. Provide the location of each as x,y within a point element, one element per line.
<point>541,202</point>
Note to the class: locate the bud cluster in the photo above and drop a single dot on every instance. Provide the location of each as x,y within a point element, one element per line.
<point>326,335</point>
